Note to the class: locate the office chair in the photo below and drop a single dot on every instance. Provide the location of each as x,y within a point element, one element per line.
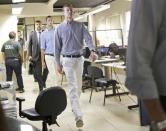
<point>85,77</point>
<point>98,80</point>
<point>49,104</point>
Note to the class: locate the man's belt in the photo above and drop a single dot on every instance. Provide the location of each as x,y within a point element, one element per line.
<point>72,56</point>
<point>50,54</point>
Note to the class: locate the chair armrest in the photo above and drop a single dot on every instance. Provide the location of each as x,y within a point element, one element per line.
<point>20,99</point>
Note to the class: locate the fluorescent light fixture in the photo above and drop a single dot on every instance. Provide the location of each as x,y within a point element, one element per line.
<point>18,1</point>
<point>17,10</point>
<point>99,9</point>
<point>94,11</point>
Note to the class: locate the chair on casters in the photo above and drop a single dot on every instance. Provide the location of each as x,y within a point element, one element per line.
<point>98,80</point>
<point>85,77</point>
<point>49,104</point>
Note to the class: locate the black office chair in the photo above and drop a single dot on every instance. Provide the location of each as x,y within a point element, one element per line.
<point>49,104</point>
<point>98,80</point>
<point>85,77</point>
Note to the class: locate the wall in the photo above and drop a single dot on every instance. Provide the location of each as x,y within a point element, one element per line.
<point>116,17</point>
<point>113,18</point>
<point>7,23</point>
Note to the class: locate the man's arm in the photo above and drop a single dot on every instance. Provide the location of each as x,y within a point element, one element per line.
<point>146,18</point>
<point>88,39</point>
<point>20,52</point>
<point>58,47</point>
<point>43,47</point>
<point>30,46</point>
<point>3,53</point>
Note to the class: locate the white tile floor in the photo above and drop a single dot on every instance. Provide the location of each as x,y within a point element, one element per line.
<point>114,116</point>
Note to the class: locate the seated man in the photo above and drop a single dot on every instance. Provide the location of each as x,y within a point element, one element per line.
<point>113,50</point>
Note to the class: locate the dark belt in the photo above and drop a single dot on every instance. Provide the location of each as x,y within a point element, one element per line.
<point>72,56</point>
<point>50,54</point>
<point>13,58</point>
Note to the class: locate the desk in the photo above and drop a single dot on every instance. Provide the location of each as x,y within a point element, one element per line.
<point>18,125</point>
<point>105,60</point>
<point>102,60</point>
<point>119,65</point>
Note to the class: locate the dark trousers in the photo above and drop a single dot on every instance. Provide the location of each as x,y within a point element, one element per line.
<point>38,75</point>
<point>14,65</point>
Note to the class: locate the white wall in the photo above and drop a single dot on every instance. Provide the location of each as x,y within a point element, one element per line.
<point>113,18</point>
<point>7,23</point>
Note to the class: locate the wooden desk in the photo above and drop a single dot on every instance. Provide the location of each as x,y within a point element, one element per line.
<point>19,125</point>
<point>115,65</point>
<point>105,60</point>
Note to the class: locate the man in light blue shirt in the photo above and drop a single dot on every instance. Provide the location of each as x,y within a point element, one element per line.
<point>47,52</point>
<point>69,37</point>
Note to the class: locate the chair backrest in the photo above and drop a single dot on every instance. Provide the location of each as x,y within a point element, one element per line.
<point>95,72</point>
<point>51,101</point>
<point>85,70</point>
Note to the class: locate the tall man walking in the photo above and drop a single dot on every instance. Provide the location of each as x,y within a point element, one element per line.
<point>69,37</point>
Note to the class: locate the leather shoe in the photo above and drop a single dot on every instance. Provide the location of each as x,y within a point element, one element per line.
<point>17,89</point>
<point>79,123</point>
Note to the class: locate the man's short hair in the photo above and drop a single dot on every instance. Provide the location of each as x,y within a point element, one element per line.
<point>12,35</point>
<point>67,5</point>
<point>37,21</point>
<point>48,17</point>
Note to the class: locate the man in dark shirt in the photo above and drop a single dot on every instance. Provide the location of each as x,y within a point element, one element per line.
<point>11,52</point>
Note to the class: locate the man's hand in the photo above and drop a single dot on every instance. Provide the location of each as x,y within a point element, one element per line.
<point>93,56</point>
<point>30,58</point>
<point>59,69</point>
<point>43,65</point>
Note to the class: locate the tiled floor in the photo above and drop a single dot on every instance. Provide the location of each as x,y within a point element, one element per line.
<point>114,116</point>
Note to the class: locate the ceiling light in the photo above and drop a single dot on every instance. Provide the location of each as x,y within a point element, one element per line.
<point>99,9</point>
<point>17,10</point>
<point>94,11</point>
<point>18,1</point>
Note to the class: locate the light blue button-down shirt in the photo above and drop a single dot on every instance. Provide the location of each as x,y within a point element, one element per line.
<point>69,39</point>
<point>47,41</point>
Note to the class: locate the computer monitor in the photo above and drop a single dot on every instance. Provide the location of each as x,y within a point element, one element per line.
<point>103,51</point>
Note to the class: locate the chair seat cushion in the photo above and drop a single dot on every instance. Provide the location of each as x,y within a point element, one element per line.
<point>106,82</point>
<point>31,114</point>
<point>102,80</point>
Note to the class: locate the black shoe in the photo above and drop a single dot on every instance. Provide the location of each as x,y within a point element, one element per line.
<point>79,123</point>
<point>44,86</point>
<point>18,89</point>
<point>21,91</point>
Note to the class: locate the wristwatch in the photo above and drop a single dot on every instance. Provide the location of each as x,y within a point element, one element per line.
<point>157,126</point>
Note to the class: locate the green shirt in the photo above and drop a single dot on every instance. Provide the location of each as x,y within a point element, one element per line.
<point>11,49</point>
